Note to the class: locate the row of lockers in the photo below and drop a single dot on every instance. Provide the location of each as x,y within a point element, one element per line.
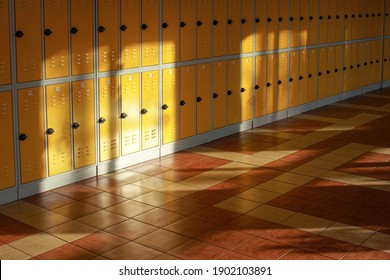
<point>128,31</point>
<point>58,125</point>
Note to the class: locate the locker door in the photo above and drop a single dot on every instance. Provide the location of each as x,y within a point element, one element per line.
<point>203,32</point>
<point>170,31</point>
<point>56,39</point>
<point>366,64</point>
<point>330,74</point>
<point>282,81</point>
<point>261,27</point>
<point>312,75</point>
<point>83,125</point>
<point>378,61</point>
<point>386,60</point>
<point>130,101</point>
<point>261,86</point>
<point>187,101</point>
<point>31,134</point>
<point>353,68</point>
<point>294,79</point>
<point>28,33</point>
<point>246,88</point>
<point>219,95</point>
<point>294,23</point>
<point>203,86</point>
<point>338,77</point>
<point>313,22</point>
<point>150,29</point>
<point>130,34</point>
<point>377,24</point>
<point>234,98</point>
<point>346,68</point>
<point>369,18</point>
<point>339,32</point>
<point>149,111</point>
<point>355,20</point>
<point>304,23</point>
<point>387,18</point>
<point>220,25</point>
<point>303,76</point>
<point>170,113</point>
<point>246,27</point>
<point>108,118</point>
<point>372,62</point>
<point>234,27</point>
<point>272,79</point>
<point>322,67</point>
<point>359,66</point>
<point>5,55</point>
<point>81,22</point>
<point>272,25</point>
<point>323,18</point>
<point>362,19</point>
<point>187,30</point>
<point>58,128</point>
<point>348,19</point>
<point>332,11</point>
<point>108,35</point>
<point>7,161</point>
<point>283,28</point>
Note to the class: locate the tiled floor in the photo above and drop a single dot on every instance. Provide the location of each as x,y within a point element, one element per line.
<point>313,186</point>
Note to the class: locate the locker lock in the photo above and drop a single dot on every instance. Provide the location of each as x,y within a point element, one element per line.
<point>280,82</point>
<point>327,72</point>
<point>215,22</point>
<point>199,23</point>
<point>351,67</point>
<point>360,15</point>
<point>257,20</point>
<point>182,103</point>
<point>164,107</point>
<point>353,16</point>
<point>387,14</point>
<point>74,30</point>
<point>385,60</point>
<point>321,17</point>
<point>291,80</point>
<point>311,18</point>
<point>292,18</point>
<point>377,61</point>
<point>164,25</point>
<point>329,17</point>
<point>199,99</point>
<point>257,86</point>
<point>300,78</point>
<point>268,84</point>
<point>229,92</point>
<point>301,18</point>
<point>337,16</point>
<point>215,95</point>
<point>242,89</point>
<point>123,27</point>
<point>182,24</point>
<point>102,120</point>
<point>243,21</point>
<point>346,16</point>
<point>47,32</point>
<point>310,76</point>
<point>22,137</point>
<point>75,125</point>
<point>101,29</point>
<point>358,66</point>
<point>144,111</point>
<point>144,26</point>
<point>50,131</point>
<point>319,73</point>
<point>123,116</point>
<point>344,68</point>
<point>371,62</point>
<point>269,19</point>
<point>379,14</point>
<point>365,63</point>
<point>373,15</point>
<point>280,19</point>
<point>336,70</point>
<point>19,34</point>
<point>367,15</point>
<point>230,21</point>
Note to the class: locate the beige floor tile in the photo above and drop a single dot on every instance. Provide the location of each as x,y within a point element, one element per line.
<point>200,182</point>
<point>274,155</point>
<point>292,178</point>
<point>288,150</point>
<point>128,176</point>
<point>253,160</point>
<point>307,223</point>
<point>155,198</point>
<point>381,150</point>
<point>378,241</point>
<point>20,210</point>
<point>150,169</point>
<point>37,244</point>
<point>153,183</point>
<point>238,205</point>
<point>221,174</point>
<point>336,157</point>
<point>309,171</point>
<point>323,164</point>
<point>45,220</point>
<point>178,190</point>
<point>276,186</point>
<point>339,177</point>
<point>258,195</point>
<point>347,233</point>
<point>317,118</point>
<point>130,208</point>
<point>271,213</point>
<point>132,251</point>
<point>371,183</point>
<point>236,167</point>
<point>10,253</point>
<point>71,231</point>
<point>102,219</point>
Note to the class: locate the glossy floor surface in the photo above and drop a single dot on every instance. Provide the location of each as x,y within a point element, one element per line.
<point>313,186</point>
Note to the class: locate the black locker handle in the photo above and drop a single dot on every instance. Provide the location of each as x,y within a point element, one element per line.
<point>358,66</point>
<point>182,103</point>
<point>387,14</point>
<point>292,18</point>
<point>257,20</point>
<point>74,30</point>
<point>310,76</point>
<point>280,19</point>
<point>351,67</point>
<point>300,78</point>
<point>321,17</point>
<point>353,16</point>
<point>365,63</point>
<point>164,25</point>
<point>268,84</point>
<point>123,116</point>
<point>101,29</point>
<point>329,17</point>
<point>346,16</point>
<point>229,92</point>
<point>377,61</point>
<point>291,80</point>
<point>75,125</point>
<point>360,15</point>
<point>337,16</point>
<point>367,15</point>
<point>199,23</point>
<point>19,34</point>
<point>371,62</point>
<point>199,99</point>
<point>385,60</point>
<point>344,68</point>
<point>379,14</point>
<point>182,24</point>
<point>102,120</point>
<point>336,70</point>
<point>328,72</point>
<point>269,19</point>
<point>230,21</point>
<point>243,20</point>
<point>50,131</point>
<point>164,107</point>
<point>215,22</point>
<point>242,89</point>
<point>373,15</point>
<point>123,27</point>
<point>280,82</point>
<point>144,26</point>
<point>144,111</point>
<point>301,18</point>
<point>215,95</point>
<point>319,73</point>
<point>48,32</point>
<point>22,137</point>
<point>311,18</point>
<point>257,87</point>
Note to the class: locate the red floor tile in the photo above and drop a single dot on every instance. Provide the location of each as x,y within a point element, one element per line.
<point>247,180</point>
<point>362,253</point>
<point>12,230</point>
<point>215,215</point>
<point>263,249</point>
<point>190,227</point>
<point>77,191</point>
<point>100,242</point>
<point>228,189</point>
<point>225,238</point>
<point>197,250</point>
<point>297,254</point>
<point>50,201</point>
<point>207,197</point>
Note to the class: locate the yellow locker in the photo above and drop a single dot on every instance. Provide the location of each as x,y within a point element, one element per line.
<point>304,23</point>
<point>219,94</point>
<point>234,98</point>
<point>187,30</point>
<point>283,29</point>
<point>81,20</point>
<point>130,101</point>
<point>359,66</point>
<point>83,105</point>
<point>362,19</point>
<point>386,60</point>
<point>149,30</point>
<point>31,134</point>
<point>322,67</point>
<point>294,79</point>
<point>272,25</point>
<point>369,18</point>
<point>203,32</point>
<point>187,101</point>
<point>355,20</point>
<point>352,67</point>
<point>5,55</point>
<point>7,161</point>
<point>367,66</point>
<point>348,20</point>
<point>233,25</point>
<point>377,25</point>
<point>323,19</point>
<point>246,88</point>
<point>340,11</point>
<point>170,110</point>
<point>312,76</point>
<point>272,79</point>
<point>378,61</point>
<point>203,85</point>
<point>130,34</point>
<point>56,39</point>
<point>108,53</point>
<point>170,31</point>
<point>149,111</point>
<point>220,24</point>
<point>330,74</point>
<point>246,26</point>
<point>108,118</point>
<point>58,128</point>
<point>261,27</point>
<point>261,86</point>
<point>332,11</point>
<point>28,33</point>
<point>338,73</point>
<point>303,76</point>
<point>282,81</point>
<point>346,67</point>
<point>387,18</point>
<point>313,21</point>
<point>294,23</point>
